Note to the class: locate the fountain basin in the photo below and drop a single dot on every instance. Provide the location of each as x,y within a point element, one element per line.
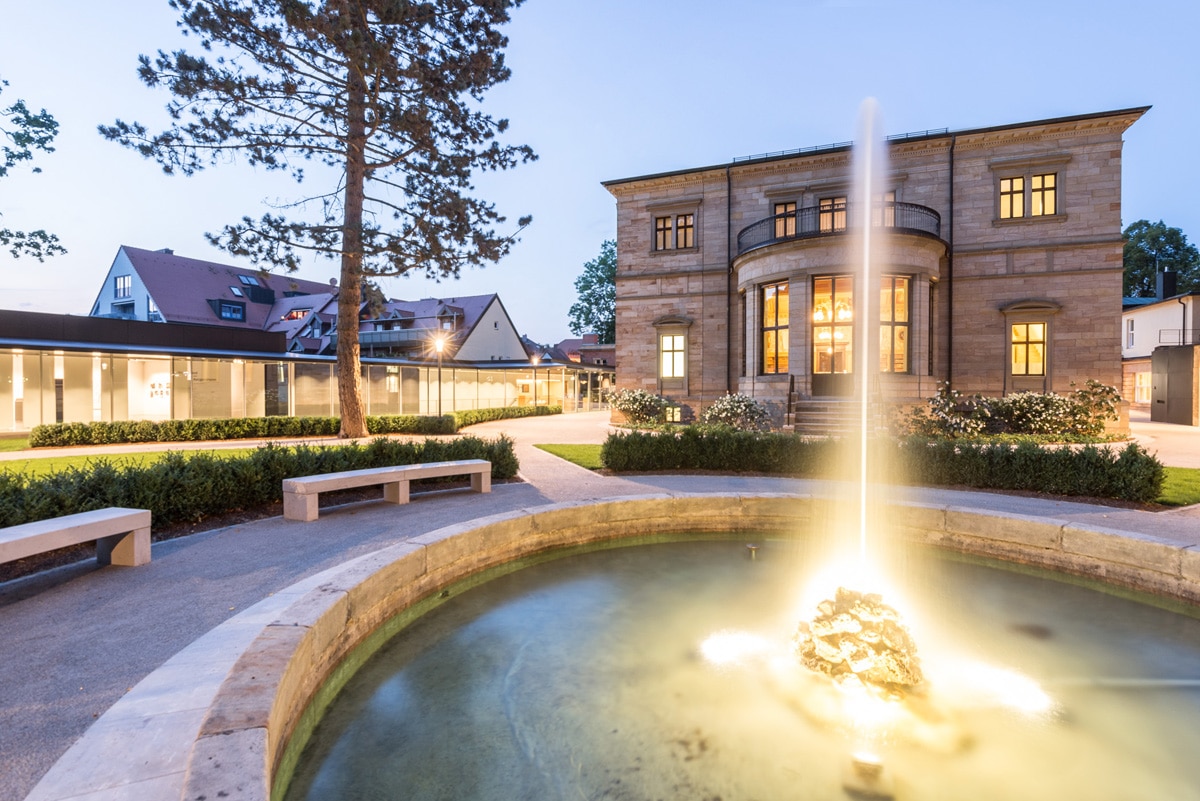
<point>282,683</point>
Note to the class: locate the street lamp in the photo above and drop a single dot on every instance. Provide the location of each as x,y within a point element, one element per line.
<point>535,364</point>
<point>439,344</point>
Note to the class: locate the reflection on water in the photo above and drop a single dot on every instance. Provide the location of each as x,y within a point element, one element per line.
<point>584,678</point>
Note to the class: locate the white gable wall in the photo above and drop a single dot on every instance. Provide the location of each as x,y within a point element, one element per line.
<point>492,339</point>
<point>107,297</point>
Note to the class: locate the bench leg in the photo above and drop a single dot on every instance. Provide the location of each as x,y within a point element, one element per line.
<point>482,482</point>
<point>131,548</point>
<point>396,492</point>
<point>299,507</point>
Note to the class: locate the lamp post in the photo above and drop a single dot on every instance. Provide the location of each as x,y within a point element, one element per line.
<point>439,344</point>
<point>536,359</point>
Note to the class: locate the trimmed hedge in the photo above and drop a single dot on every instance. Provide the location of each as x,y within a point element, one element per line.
<point>55,435</point>
<point>472,416</point>
<point>189,486</point>
<point>1128,473</point>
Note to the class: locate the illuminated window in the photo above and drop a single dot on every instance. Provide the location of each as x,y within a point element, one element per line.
<point>675,232</point>
<point>296,314</point>
<point>833,325</point>
<point>1012,198</point>
<point>1028,348</point>
<point>672,355</point>
<point>1042,195</point>
<point>1029,196</point>
<point>785,220</point>
<point>833,214</point>
<point>1141,387</point>
<point>894,324</point>
<point>775,328</point>
<point>123,286</point>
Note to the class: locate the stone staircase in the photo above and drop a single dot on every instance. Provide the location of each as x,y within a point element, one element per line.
<point>824,417</point>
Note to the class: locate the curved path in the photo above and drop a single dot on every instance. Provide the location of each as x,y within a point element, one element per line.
<point>78,638</point>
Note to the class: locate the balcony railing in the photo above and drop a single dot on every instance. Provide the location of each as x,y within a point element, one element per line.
<point>1179,336</point>
<point>814,221</point>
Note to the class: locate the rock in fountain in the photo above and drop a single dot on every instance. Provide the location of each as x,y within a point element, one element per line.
<point>855,636</point>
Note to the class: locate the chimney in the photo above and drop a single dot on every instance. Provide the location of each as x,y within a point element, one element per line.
<point>1165,284</point>
<point>591,339</point>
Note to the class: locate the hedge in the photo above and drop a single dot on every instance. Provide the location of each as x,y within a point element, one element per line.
<point>1128,473</point>
<point>66,434</point>
<point>189,486</point>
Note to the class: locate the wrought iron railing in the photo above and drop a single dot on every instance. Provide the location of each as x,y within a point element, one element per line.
<point>816,221</point>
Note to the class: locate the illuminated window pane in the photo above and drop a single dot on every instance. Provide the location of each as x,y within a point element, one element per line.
<point>774,333</point>
<point>781,305</point>
<point>672,359</point>
<point>900,352</point>
<point>832,215</point>
<point>684,231</point>
<point>1043,194</point>
<point>1037,332</point>
<point>662,233</point>
<point>1012,198</point>
<point>1020,333</point>
<point>1037,359</point>
<point>785,226</point>
<point>781,359</point>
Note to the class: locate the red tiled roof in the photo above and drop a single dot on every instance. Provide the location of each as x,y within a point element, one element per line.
<point>183,287</point>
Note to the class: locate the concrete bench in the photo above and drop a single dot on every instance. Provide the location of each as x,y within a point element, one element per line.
<point>122,536</point>
<point>300,494</point>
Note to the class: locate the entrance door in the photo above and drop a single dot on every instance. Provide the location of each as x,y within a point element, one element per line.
<point>833,336</point>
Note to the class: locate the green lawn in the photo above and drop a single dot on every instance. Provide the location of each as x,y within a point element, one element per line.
<point>56,464</point>
<point>8,444</point>
<point>1181,486</point>
<point>586,456</point>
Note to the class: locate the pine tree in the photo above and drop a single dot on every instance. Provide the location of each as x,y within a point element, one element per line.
<point>387,93</point>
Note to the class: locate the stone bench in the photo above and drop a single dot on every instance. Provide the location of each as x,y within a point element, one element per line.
<point>122,536</point>
<point>300,494</point>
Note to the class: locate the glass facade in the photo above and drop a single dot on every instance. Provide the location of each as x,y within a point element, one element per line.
<point>53,386</point>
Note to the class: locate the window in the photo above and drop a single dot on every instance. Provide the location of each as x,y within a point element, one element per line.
<point>1028,348</point>
<point>248,280</point>
<point>1042,193</point>
<point>884,211</point>
<point>672,355</point>
<point>785,220</point>
<point>893,324</point>
<point>1029,196</point>
<point>237,291</point>
<point>775,328</point>
<point>1129,333</point>
<point>123,286</point>
<point>1012,198</point>
<point>1141,387</point>
<point>833,214</point>
<point>675,232</point>
<point>296,314</point>
<point>232,311</point>
<point>833,325</point>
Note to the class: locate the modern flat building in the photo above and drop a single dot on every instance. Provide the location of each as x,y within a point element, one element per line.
<point>1000,270</point>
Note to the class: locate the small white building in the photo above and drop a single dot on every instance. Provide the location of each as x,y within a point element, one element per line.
<point>1160,364</point>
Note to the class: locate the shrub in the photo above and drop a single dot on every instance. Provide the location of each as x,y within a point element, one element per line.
<point>639,406</point>
<point>470,417</point>
<point>737,411</point>
<point>1082,413</point>
<point>1129,473</point>
<point>189,486</point>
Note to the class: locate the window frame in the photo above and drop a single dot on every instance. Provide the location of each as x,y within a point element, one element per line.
<point>1026,313</point>
<point>1041,204</point>
<point>672,326</point>
<point>232,306</point>
<point>774,328</point>
<point>785,226</point>
<point>831,214</point>
<point>1024,345</point>
<point>123,286</point>
<point>892,324</point>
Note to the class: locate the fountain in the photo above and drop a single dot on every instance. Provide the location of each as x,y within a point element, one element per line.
<point>679,670</point>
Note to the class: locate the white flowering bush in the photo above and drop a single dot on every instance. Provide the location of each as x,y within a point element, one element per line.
<point>737,411</point>
<point>1083,412</point>
<point>639,406</point>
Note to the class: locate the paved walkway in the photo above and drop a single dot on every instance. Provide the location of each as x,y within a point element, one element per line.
<point>78,638</point>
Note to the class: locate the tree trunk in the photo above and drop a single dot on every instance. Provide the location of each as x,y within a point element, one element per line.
<point>354,419</point>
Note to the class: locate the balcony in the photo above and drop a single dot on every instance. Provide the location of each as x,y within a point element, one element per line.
<point>815,221</point>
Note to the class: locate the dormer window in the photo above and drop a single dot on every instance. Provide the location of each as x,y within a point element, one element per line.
<point>232,311</point>
<point>296,314</point>
<point>248,280</point>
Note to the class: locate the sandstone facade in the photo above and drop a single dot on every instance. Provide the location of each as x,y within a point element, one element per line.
<point>733,258</point>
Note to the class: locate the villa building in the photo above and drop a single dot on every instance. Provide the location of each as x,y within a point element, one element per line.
<point>1001,271</point>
